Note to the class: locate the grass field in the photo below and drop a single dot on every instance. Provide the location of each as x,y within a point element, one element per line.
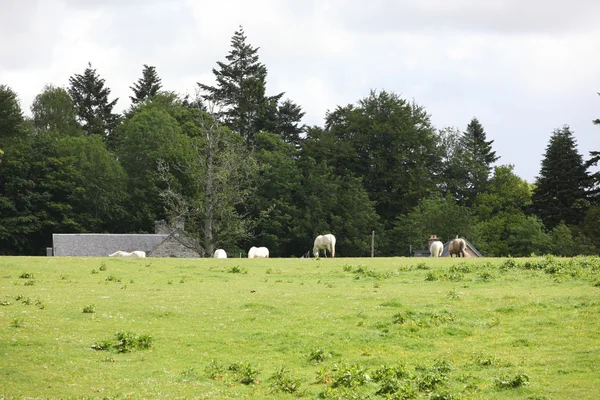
<point>344,328</point>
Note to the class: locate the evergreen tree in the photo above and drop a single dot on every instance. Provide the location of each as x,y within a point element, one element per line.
<point>481,158</point>
<point>90,97</point>
<point>240,90</point>
<point>561,188</point>
<point>147,86</point>
<point>289,128</point>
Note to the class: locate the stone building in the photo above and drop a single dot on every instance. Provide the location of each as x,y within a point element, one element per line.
<point>165,242</point>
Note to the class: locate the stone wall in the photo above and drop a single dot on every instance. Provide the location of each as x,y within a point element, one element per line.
<point>171,247</point>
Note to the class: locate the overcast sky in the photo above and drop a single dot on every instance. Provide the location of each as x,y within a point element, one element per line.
<point>522,67</point>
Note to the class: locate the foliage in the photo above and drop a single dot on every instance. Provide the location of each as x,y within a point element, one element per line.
<point>388,142</point>
<point>223,177</point>
<point>11,115</point>
<point>282,381</point>
<point>442,217</point>
<point>560,193</point>
<point>125,342</point>
<point>53,110</point>
<point>240,89</point>
<point>149,136</point>
<point>244,372</point>
<point>511,382</point>
<point>147,86</point>
<point>52,183</point>
<point>90,98</point>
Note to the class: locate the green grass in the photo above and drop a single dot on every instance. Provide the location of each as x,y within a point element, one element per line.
<point>287,328</point>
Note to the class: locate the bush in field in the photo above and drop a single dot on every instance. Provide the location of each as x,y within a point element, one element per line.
<point>125,342</point>
<point>319,355</point>
<point>511,382</point>
<point>282,381</point>
<point>350,375</point>
<point>236,269</point>
<point>244,373</point>
<point>89,309</point>
<point>214,370</point>
<point>26,275</point>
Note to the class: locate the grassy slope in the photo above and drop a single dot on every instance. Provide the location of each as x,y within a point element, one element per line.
<point>489,323</point>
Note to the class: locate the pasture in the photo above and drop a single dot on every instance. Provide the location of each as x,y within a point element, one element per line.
<point>431,328</point>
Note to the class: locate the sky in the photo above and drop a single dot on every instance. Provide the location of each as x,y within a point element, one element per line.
<point>523,68</point>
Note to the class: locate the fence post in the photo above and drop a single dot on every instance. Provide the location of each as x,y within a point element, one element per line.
<point>372,244</point>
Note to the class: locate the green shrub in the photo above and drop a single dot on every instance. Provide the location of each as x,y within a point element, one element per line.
<point>511,382</point>
<point>236,269</point>
<point>125,342</point>
<point>89,309</point>
<point>26,275</point>
<point>244,373</point>
<point>112,278</point>
<point>214,370</point>
<point>319,355</point>
<point>349,375</point>
<point>431,276</point>
<point>283,382</point>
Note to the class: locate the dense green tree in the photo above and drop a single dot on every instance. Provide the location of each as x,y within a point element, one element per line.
<point>512,234</point>
<point>11,115</point>
<point>147,86</point>
<point>504,228</point>
<point>240,91</point>
<point>467,162</point>
<point>506,192</point>
<point>561,188</point>
<point>278,192</point>
<point>149,135</point>
<point>284,119</point>
<point>53,183</point>
<point>53,110</point>
<point>438,216</point>
<point>562,243</point>
<point>455,165</point>
<point>337,204</point>
<point>90,97</point>
<point>389,143</point>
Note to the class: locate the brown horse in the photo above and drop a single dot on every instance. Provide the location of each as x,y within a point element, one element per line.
<point>457,246</point>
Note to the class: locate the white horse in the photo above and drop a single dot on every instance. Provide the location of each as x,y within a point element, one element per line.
<point>140,254</point>
<point>436,248</point>
<point>324,242</point>
<point>258,252</point>
<point>220,253</point>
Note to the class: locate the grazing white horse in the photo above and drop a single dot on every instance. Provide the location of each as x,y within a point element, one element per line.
<point>324,242</point>
<point>220,253</point>
<point>140,254</point>
<point>258,252</point>
<point>436,248</point>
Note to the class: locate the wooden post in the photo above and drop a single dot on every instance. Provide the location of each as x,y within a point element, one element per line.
<point>372,244</point>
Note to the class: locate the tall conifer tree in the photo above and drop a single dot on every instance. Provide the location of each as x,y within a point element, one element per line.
<point>90,97</point>
<point>240,89</point>
<point>561,188</point>
<point>147,86</point>
<point>481,157</point>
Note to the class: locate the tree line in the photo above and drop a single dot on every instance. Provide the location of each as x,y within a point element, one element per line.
<point>239,167</point>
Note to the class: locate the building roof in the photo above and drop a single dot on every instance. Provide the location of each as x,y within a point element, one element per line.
<point>102,244</point>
